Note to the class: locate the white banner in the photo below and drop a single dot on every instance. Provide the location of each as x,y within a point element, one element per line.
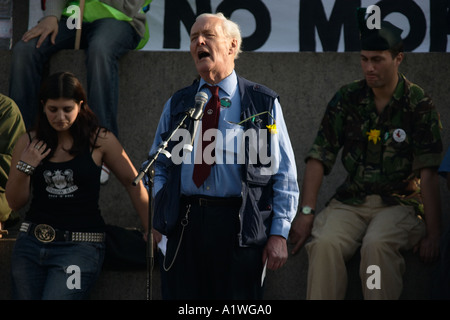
<point>300,25</point>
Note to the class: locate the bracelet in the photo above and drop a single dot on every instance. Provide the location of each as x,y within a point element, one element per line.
<point>25,167</point>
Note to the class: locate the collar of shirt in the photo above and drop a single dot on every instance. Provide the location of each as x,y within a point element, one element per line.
<point>228,85</point>
<point>402,89</point>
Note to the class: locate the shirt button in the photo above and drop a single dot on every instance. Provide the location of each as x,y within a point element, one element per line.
<point>207,188</point>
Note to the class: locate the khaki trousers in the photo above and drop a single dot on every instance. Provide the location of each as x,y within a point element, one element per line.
<point>381,231</point>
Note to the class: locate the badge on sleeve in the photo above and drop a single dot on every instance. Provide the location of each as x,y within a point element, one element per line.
<point>399,135</point>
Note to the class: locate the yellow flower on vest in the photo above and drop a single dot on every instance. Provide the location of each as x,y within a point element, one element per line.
<point>272,128</point>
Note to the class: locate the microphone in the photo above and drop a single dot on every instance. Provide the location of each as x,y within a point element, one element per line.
<point>196,113</point>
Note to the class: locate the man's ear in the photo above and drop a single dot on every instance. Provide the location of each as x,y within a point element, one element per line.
<point>233,47</point>
<point>399,58</point>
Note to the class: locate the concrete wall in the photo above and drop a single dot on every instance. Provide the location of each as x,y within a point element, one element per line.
<point>305,83</point>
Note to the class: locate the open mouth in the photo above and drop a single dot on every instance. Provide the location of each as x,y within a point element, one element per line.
<point>203,54</point>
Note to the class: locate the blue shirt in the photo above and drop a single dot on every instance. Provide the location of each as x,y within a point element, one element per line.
<point>225,177</point>
<point>445,164</point>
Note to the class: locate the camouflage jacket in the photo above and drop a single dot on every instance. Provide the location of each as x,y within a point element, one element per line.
<point>382,153</point>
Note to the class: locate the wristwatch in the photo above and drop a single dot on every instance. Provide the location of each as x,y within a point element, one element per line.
<point>307,210</point>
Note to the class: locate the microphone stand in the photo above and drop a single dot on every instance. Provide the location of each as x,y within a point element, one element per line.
<point>151,174</point>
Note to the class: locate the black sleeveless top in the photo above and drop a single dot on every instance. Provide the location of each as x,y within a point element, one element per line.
<point>66,194</point>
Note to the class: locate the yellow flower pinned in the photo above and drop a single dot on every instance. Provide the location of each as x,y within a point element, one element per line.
<point>374,135</point>
<point>272,128</point>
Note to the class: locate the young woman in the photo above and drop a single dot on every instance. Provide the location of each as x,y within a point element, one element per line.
<point>60,247</point>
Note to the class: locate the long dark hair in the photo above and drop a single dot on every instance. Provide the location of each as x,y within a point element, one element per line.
<point>66,85</point>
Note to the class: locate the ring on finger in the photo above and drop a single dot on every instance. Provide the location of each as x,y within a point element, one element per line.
<point>37,147</point>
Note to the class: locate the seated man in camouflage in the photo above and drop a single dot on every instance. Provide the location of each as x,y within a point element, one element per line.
<point>389,133</point>
<point>11,128</point>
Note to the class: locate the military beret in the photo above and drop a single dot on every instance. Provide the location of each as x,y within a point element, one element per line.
<point>384,38</point>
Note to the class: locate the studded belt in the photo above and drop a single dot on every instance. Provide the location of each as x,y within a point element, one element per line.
<point>46,233</point>
<point>204,201</point>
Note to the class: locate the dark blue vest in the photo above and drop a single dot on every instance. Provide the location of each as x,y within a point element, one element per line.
<point>257,193</point>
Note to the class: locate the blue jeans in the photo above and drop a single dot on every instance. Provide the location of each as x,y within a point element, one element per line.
<point>104,41</point>
<point>56,270</point>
